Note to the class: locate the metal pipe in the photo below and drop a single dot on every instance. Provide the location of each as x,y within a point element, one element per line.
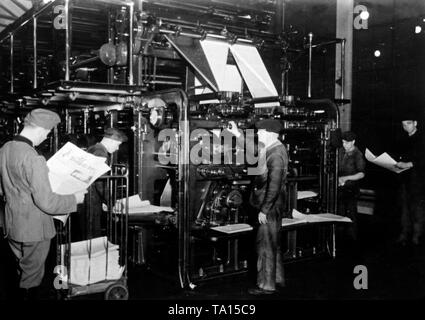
<point>174,83</point>
<point>184,179</point>
<point>34,83</point>
<point>112,123</point>
<point>327,43</point>
<point>155,60</point>
<point>130,49</point>
<point>11,62</point>
<point>68,122</point>
<point>84,62</point>
<point>110,73</point>
<point>342,68</point>
<point>86,120</point>
<point>139,150</point>
<point>310,54</point>
<point>67,40</point>
<point>199,36</point>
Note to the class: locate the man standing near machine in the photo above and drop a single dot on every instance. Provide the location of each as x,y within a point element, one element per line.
<point>351,169</point>
<point>267,200</point>
<point>91,225</point>
<point>30,201</point>
<point>412,187</point>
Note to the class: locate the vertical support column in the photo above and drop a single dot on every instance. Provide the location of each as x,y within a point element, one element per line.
<point>11,63</point>
<point>155,60</point>
<point>34,82</point>
<point>55,145</point>
<point>310,59</point>
<point>112,123</point>
<point>67,40</point>
<point>86,121</point>
<point>279,26</point>
<point>130,48</point>
<point>68,122</point>
<point>344,59</point>
<point>110,74</point>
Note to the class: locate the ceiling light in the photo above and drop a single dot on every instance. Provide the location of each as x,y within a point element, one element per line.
<point>377,53</point>
<point>418,29</point>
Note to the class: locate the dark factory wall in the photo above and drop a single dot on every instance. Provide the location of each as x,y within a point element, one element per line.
<point>387,85</point>
<point>301,18</point>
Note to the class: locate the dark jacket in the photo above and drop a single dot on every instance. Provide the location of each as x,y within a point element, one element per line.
<point>351,163</point>
<point>412,149</point>
<point>30,201</point>
<point>268,188</point>
<point>95,197</point>
<point>98,187</point>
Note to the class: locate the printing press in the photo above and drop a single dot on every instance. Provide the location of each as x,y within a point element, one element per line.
<point>174,77</point>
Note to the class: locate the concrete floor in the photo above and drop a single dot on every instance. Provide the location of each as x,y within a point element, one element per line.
<point>394,272</point>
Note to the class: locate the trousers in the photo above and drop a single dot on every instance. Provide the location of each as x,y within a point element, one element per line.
<point>31,258</point>
<point>269,257</point>
<point>412,213</point>
<point>347,207</point>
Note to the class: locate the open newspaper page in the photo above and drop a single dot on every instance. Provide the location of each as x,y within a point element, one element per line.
<point>384,161</point>
<point>72,169</point>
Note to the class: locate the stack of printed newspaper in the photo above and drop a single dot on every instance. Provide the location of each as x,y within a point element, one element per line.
<point>136,206</point>
<point>300,218</point>
<point>72,170</point>
<point>92,261</point>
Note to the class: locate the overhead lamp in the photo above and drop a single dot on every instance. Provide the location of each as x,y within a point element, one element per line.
<point>377,53</point>
<point>418,29</point>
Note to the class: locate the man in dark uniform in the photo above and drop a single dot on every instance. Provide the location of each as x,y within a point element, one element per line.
<point>30,201</point>
<point>268,202</point>
<point>351,168</point>
<point>91,225</point>
<point>412,188</point>
<point>268,199</point>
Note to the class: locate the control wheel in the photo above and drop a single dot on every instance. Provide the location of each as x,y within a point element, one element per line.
<point>116,292</point>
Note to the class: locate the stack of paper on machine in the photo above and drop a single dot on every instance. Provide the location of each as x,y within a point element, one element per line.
<point>138,206</point>
<point>72,169</point>
<point>306,194</point>
<point>93,261</point>
<point>300,218</point>
<point>233,228</point>
<point>384,161</point>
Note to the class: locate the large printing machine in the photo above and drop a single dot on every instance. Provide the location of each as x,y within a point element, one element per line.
<point>173,85</point>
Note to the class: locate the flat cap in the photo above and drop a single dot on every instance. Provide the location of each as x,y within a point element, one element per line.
<point>44,118</point>
<point>409,114</point>
<point>348,136</point>
<point>270,125</point>
<point>115,134</point>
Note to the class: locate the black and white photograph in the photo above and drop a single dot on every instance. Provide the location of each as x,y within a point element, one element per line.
<point>215,156</point>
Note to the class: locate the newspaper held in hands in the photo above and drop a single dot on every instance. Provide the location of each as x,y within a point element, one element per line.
<point>72,170</point>
<point>384,161</point>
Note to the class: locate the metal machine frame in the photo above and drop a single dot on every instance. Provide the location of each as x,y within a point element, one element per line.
<point>150,43</point>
